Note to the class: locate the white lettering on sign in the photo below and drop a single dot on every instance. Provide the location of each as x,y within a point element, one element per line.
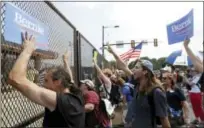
<point>181,26</point>
<point>19,19</point>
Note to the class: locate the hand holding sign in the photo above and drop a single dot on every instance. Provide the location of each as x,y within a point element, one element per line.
<point>17,21</point>
<point>186,42</point>
<point>28,43</point>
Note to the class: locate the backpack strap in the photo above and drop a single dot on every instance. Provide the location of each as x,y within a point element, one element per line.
<point>103,84</point>
<point>106,90</point>
<point>152,105</point>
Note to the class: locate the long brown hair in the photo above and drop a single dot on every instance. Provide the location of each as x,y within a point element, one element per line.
<point>152,81</point>
<point>59,73</point>
<point>173,81</point>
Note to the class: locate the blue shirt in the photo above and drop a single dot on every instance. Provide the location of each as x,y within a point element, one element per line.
<point>127,93</point>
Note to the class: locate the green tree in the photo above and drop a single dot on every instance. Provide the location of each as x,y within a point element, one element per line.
<point>145,58</point>
<point>131,65</point>
<point>155,63</point>
<point>161,61</point>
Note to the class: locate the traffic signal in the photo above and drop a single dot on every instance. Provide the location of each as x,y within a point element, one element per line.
<point>155,42</point>
<point>132,43</point>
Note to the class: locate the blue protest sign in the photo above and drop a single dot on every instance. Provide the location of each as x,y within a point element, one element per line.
<point>17,21</point>
<point>178,30</point>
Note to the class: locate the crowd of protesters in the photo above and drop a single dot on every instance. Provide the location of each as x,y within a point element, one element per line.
<point>148,100</point>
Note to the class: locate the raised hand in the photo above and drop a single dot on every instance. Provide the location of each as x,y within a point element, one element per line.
<point>28,43</point>
<point>65,55</point>
<point>94,61</point>
<point>109,48</point>
<point>186,42</point>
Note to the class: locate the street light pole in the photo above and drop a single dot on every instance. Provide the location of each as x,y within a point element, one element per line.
<point>103,28</point>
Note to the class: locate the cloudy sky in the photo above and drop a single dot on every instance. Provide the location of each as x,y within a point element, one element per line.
<point>137,20</point>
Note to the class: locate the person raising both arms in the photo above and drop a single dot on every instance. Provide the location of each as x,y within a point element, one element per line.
<point>62,100</point>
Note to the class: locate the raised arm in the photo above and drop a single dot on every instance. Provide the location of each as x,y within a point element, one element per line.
<point>101,75</point>
<point>18,79</point>
<point>66,65</point>
<point>120,63</point>
<point>197,63</point>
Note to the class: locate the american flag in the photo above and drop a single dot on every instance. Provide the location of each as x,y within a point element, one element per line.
<point>132,53</point>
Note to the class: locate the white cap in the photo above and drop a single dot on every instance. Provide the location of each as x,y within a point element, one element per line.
<point>88,82</point>
<point>167,69</point>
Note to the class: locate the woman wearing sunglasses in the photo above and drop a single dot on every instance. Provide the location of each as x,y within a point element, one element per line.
<point>178,107</point>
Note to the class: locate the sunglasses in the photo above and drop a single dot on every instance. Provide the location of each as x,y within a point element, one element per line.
<point>164,78</point>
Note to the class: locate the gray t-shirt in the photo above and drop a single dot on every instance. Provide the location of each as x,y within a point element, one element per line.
<point>141,109</point>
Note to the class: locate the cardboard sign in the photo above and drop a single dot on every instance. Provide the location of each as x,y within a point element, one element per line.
<point>180,29</point>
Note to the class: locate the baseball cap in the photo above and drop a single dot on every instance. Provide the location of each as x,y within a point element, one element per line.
<point>167,69</point>
<point>88,82</point>
<point>148,65</point>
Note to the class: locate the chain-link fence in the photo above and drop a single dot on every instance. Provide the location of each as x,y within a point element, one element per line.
<point>86,58</point>
<point>18,111</point>
<point>86,55</point>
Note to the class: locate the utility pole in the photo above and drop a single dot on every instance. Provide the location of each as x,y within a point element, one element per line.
<point>103,30</point>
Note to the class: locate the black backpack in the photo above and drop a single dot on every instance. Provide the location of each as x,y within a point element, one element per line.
<point>115,96</point>
<point>152,108</point>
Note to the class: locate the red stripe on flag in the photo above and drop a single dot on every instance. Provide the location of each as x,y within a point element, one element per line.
<point>131,50</point>
<point>136,55</point>
<point>133,54</point>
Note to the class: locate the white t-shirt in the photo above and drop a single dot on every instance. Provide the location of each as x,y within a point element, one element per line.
<point>108,88</point>
<point>194,81</point>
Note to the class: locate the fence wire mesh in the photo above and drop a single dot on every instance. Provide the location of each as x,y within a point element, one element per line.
<point>86,55</point>
<point>18,111</point>
<point>87,69</point>
<point>86,59</point>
